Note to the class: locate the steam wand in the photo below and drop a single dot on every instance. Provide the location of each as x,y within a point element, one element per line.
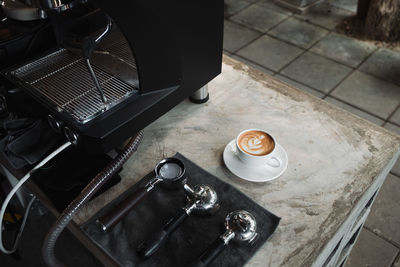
<point>89,45</point>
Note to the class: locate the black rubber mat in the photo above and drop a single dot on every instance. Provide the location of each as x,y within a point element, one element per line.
<point>192,237</point>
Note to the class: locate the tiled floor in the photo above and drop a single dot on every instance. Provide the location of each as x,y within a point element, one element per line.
<point>305,50</point>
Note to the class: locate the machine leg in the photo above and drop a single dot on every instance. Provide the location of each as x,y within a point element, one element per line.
<point>200,96</point>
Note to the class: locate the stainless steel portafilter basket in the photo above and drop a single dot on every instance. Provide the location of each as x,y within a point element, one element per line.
<point>240,225</point>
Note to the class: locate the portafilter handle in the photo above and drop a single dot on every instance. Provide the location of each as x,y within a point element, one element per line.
<point>110,219</point>
<point>214,249</point>
<point>201,198</point>
<point>147,248</point>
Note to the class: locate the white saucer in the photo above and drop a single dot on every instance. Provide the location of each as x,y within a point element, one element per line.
<point>262,173</point>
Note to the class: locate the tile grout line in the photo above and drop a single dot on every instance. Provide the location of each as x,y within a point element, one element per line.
<point>353,106</point>
<point>358,69</point>
<point>380,78</point>
<point>240,10</point>
<point>350,13</point>
<point>382,237</point>
<point>309,48</point>
<point>395,259</point>
<point>261,33</point>
<point>339,83</point>
<point>331,59</point>
<point>255,63</point>
<point>347,76</point>
<point>251,28</point>
<point>279,23</point>
<point>318,90</point>
<point>398,177</point>
<point>350,73</point>
<point>391,114</point>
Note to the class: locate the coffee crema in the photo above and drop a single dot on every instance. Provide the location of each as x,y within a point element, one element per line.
<point>256,143</point>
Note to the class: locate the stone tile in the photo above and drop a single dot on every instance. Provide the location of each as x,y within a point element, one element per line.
<point>346,50</point>
<point>371,251</point>
<point>270,53</point>
<point>369,93</point>
<point>234,6</point>
<point>298,32</point>
<point>384,218</point>
<point>325,15</point>
<point>271,4</point>
<point>236,36</point>
<point>316,71</point>
<point>395,118</point>
<point>392,127</point>
<point>259,18</point>
<point>300,86</point>
<point>395,129</point>
<point>384,63</point>
<point>350,5</point>
<point>252,64</point>
<point>355,111</point>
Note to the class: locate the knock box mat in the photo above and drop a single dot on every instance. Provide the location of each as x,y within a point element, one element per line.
<point>192,237</point>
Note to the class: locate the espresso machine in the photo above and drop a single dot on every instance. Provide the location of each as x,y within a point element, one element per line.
<point>97,72</point>
<point>103,70</point>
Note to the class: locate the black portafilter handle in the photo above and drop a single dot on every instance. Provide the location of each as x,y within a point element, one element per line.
<point>210,253</point>
<point>148,248</point>
<point>110,219</point>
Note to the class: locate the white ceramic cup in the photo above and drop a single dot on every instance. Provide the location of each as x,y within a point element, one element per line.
<point>258,160</point>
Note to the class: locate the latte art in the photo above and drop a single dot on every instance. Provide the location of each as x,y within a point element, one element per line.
<point>256,143</point>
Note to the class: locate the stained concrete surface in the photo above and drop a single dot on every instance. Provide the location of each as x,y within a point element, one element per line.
<point>305,126</point>
<point>381,63</point>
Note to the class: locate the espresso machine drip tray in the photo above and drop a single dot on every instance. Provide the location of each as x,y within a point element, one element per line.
<point>63,80</point>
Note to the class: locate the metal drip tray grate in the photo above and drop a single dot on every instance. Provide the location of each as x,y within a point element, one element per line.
<point>63,78</point>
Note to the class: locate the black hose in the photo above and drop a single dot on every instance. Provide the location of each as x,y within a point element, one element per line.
<point>67,215</point>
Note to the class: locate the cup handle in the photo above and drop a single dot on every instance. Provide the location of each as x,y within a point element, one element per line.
<point>274,162</point>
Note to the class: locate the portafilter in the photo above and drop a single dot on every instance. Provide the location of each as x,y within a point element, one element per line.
<point>201,200</point>
<point>170,172</point>
<point>240,225</point>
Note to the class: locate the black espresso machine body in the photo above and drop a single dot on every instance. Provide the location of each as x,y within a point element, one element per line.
<point>172,48</point>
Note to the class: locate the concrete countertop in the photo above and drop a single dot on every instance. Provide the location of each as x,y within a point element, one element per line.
<point>334,156</point>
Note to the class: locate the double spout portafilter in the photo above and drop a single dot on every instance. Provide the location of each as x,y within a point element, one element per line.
<point>170,172</point>
<point>201,199</point>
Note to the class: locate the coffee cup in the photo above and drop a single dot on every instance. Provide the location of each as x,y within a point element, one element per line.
<point>256,147</point>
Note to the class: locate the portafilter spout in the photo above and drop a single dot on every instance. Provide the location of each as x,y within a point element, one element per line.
<point>240,225</point>
<point>202,199</point>
<point>170,172</point>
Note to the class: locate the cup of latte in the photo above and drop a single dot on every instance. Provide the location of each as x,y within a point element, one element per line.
<point>256,147</point>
